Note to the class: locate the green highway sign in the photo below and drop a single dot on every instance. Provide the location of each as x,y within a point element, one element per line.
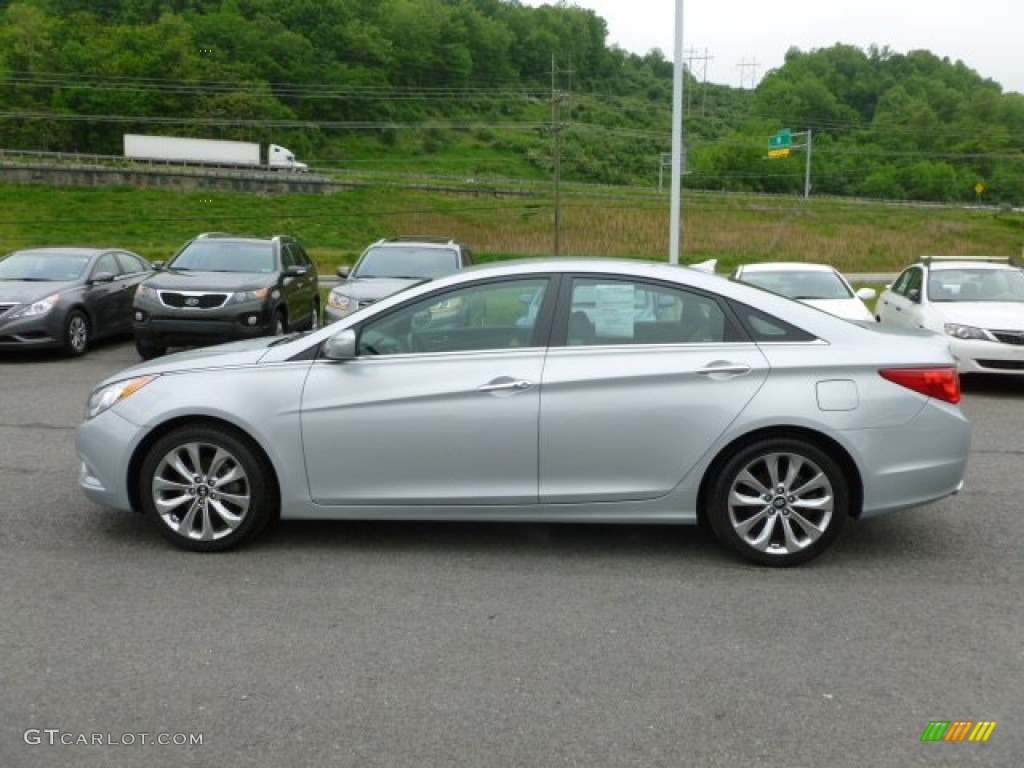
<point>783,138</point>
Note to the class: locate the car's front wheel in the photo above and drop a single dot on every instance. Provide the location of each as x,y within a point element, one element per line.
<point>779,501</point>
<point>206,489</point>
<point>76,333</point>
<point>147,350</point>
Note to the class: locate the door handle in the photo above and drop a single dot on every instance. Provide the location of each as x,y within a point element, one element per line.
<point>728,369</point>
<point>506,385</point>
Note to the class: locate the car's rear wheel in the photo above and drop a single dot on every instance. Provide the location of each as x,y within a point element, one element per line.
<point>206,489</point>
<point>147,350</point>
<point>779,501</point>
<point>76,333</point>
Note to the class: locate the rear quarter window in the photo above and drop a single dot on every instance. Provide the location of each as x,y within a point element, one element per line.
<point>761,326</point>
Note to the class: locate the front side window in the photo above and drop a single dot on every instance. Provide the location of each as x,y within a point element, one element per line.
<point>608,311</point>
<point>909,284</point>
<point>498,315</point>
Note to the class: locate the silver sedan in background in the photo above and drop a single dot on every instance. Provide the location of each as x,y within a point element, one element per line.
<point>554,390</point>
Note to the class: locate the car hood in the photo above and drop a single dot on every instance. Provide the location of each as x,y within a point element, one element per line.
<point>996,315</point>
<point>374,288</point>
<point>848,309</point>
<point>26,292</point>
<point>231,355</point>
<point>187,280</point>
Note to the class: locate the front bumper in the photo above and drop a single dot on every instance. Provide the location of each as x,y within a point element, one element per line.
<point>977,356</point>
<point>38,332</point>
<point>105,446</point>
<point>163,327</point>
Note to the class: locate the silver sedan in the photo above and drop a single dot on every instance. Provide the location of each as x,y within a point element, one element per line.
<point>551,390</point>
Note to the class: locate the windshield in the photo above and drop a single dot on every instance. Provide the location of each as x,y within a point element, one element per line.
<point>412,262</point>
<point>799,284</point>
<point>225,256</point>
<point>976,285</point>
<point>43,266</point>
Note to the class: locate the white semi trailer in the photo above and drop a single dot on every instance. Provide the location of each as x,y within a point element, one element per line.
<point>175,149</point>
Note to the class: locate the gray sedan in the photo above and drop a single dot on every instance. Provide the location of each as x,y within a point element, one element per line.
<point>66,297</point>
<point>556,390</point>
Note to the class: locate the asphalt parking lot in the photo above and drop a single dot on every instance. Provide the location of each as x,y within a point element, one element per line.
<point>370,644</point>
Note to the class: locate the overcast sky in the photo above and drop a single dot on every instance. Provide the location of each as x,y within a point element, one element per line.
<point>987,35</point>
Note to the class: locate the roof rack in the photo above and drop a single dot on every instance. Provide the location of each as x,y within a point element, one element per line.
<point>989,259</point>
<point>419,239</point>
<point>203,235</point>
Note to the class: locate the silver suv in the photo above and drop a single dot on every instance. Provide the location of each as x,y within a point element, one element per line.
<point>391,265</point>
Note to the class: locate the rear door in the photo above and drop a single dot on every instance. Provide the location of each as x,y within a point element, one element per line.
<point>640,380</point>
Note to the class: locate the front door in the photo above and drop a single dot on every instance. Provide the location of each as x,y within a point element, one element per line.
<point>440,406</point>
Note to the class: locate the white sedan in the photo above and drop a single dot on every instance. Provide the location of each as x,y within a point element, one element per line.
<point>978,303</point>
<point>819,285</point>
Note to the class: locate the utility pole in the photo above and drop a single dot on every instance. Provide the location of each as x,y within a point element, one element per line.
<point>744,65</point>
<point>692,56</point>
<point>675,235</point>
<point>556,150</point>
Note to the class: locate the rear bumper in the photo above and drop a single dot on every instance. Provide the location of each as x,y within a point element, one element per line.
<point>913,464</point>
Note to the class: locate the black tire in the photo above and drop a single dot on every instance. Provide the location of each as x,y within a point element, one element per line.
<point>76,333</point>
<point>780,501</point>
<point>229,497</point>
<point>147,350</point>
<point>315,319</point>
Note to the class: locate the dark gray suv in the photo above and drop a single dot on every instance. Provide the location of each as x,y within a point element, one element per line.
<point>222,287</point>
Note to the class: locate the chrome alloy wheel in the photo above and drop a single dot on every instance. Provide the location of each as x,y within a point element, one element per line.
<point>201,491</point>
<point>781,503</point>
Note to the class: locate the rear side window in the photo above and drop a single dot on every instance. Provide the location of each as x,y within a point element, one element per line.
<point>764,327</point>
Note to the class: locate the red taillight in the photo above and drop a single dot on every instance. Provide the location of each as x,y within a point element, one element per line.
<point>940,383</point>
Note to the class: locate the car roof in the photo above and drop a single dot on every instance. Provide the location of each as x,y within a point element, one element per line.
<point>961,262</point>
<point>966,264</point>
<point>425,242</point>
<point>786,266</point>
<point>67,251</point>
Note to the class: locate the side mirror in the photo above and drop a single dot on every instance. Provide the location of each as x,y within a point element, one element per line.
<point>914,294</point>
<point>341,346</point>
<point>296,271</point>
<point>867,294</point>
<point>343,271</point>
<point>102,277</point>
<point>158,265</point>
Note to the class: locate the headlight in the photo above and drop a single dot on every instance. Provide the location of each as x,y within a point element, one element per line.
<point>258,295</point>
<point>108,396</point>
<point>148,293</point>
<point>36,308</point>
<point>341,302</point>
<point>958,331</point>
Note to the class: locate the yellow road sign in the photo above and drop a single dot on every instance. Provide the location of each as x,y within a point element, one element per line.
<point>779,152</point>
